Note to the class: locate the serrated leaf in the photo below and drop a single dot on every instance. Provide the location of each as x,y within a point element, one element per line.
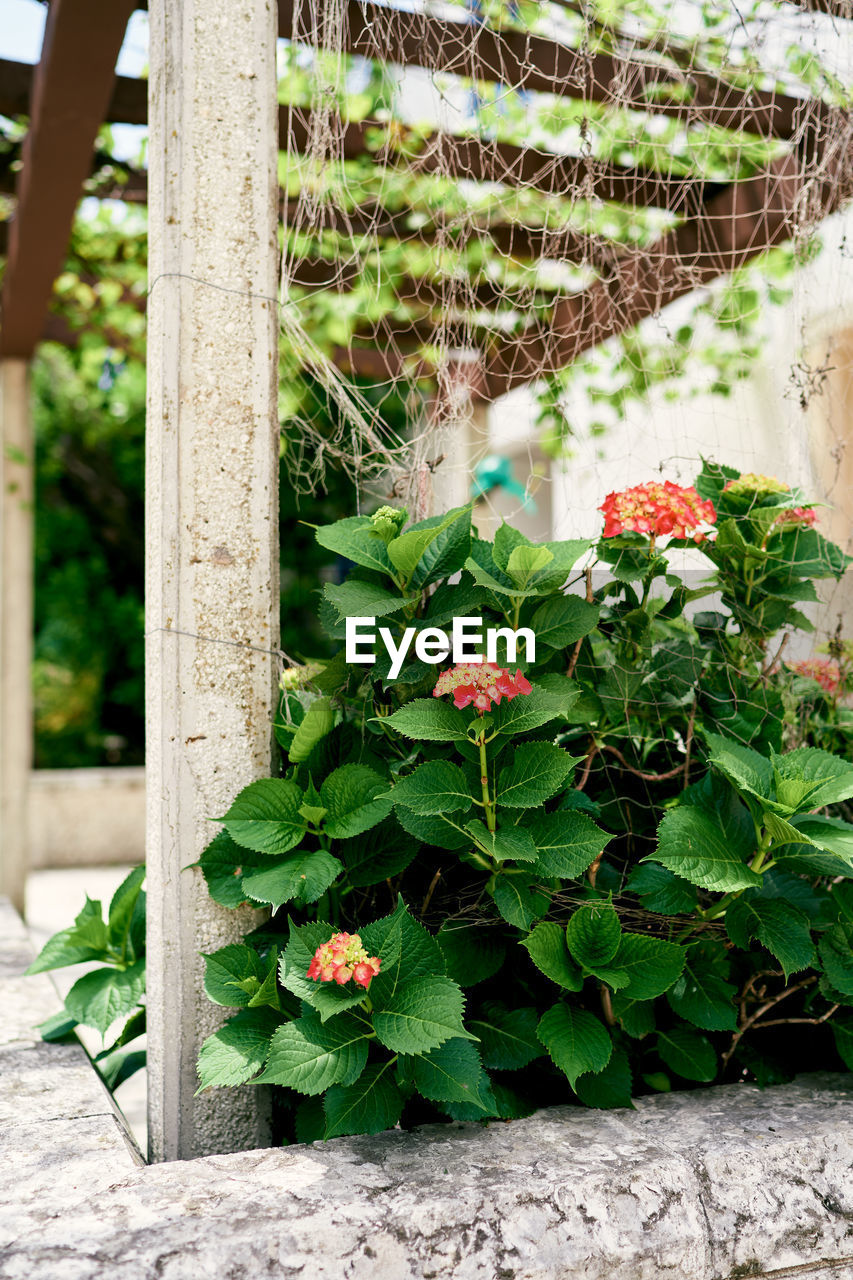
<point>576,1041</point>
<point>58,953</point>
<point>702,997</point>
<point>353,539</point>
<point>564,620</point>
<point>378,854</point>
<point>748,772</point>
<point>429,720</point>
<point>122,907</point>
<point>547,948</point>
<point>444,833</point>
<point>407,951</point>
<point>301,877</point>
<point>828,779</point>
<point>98,998</point>
<point>635,1017</point>
<point>652,965</point>
<point>446,552</point>
<point>567,842</point>
<point>688,1053</point>
<point>318,720</point>
<point>529,711</point>
<point>508,1039</point>
<point>471,953</point>
<point>778,925</point>
<point>327,998</point>
<point>661,891</point>
<point>525,562</point>
<point>265,816</point>
<point>593,935</point>
<point>237,1051</point>
<point>355,799</point>
<point>538,770</point>
<point>435,787</point>
<point>450,1073</point>
<point>310,1055</point>
<point>355,599</point>
<point>223,864</point>
<point>504,844</point>
<point>695,845</point>
<point>370,1105</point>
<point>842,1030</point>
<point>406,550</point>
<point>608,1088</point>
<point>519,898</point>
<point>226,968</point>
<point>832,835</point>
<point>421,1014</point>
<point>836,952</point>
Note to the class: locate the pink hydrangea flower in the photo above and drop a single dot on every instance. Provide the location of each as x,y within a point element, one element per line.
<point>657,508</point>
<point>825,671</point>
<point>480,684</point>
<point>805,517</point>
<point>341,958</point>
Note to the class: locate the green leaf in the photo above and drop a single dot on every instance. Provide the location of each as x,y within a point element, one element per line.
<point>370,1105</point>
<point>608,1088</point>
<point>525,562</point>
<point>519,898</point>
<point>122,907</point>
<point>832,835</point>
<point>450,1073</point>
<point>98,998</point>
<point>405,551</point>
<point>228,967</point>
<point>429,720</point>
<point>635,1017</point>
<point>528,711</point>
<point>355,799</point>
<point>446,550</point>
<point>117,1064</point>
<point>576,1041</point>
<point>432,829</point>
<point>237,1051</point>
<point>702,997</point>
<point>223,864</point>
<point>842,1030</point>
<point>377,855</point>
<point>688,1053</point>
<point>326,997</point>
<point>318,720</point>
<point>422,1013</point>
<point>778,925</point>
<point>508,1039</point>
<point>471,953</point>
<point>435,787</point>
<point>301,877</point>
<point>702,848</point>
<point>538,770</point>
<point>828,778</point>
<point>652,965</point>
<point>355,599</point>
<point>593,935</point>
<point>504,844</point>
<point>567,842</point>
<point>57,1027</point>
<point>837,956</point>
<point>58,953</point>
<point>548,951</point>
<point>747,771</point>
<point>406,949</point>
<point>310,1055</point>
<point>564,620</point>
<point>265,816</point>
<point>352,538</point>
<point>661,891</point>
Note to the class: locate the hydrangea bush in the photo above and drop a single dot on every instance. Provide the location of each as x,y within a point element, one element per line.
<point>624,866</point>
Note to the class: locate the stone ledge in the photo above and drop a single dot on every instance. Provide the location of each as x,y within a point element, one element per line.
<point>715,1184</point>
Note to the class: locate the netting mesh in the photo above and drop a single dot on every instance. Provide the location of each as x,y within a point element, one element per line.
<point>500,188</point>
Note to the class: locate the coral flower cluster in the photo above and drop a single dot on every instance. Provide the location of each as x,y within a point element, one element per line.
<point>341,958</point>
<point>480,683</point>
<point>657,509</point>
<point>804,517</point>
<point>825,671</point>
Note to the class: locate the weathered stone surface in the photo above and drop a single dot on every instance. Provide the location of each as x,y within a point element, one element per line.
<point>701,1186</point>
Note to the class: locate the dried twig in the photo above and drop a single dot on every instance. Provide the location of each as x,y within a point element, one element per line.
<point>587,765</point>
<point>764,1008</point>
<point>430,891</point>
<point>576,652</point>
<point>638,773</point>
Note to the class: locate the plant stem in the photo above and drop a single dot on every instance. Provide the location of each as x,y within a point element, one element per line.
<point>484,780</point>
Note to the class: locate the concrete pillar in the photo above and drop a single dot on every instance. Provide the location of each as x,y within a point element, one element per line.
<point>212,504</point>
<point>16,624</point>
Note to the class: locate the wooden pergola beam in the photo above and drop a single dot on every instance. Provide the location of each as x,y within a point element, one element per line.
<point>736,226</point>
<point>71,88</point>
<point>534,62</point>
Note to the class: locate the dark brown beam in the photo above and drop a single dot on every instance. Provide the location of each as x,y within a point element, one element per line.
<point>71,88</point>
<point>534,62</point>
<point>736,226</point>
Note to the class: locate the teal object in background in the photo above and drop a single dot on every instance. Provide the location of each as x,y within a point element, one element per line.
<point>496,472</point>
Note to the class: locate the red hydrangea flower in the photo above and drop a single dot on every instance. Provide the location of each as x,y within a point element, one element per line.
<point>805,517</point>
<point>341,958</point>
<point>657,508</point>
<point>480,683</point>
<point>825,671</point>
